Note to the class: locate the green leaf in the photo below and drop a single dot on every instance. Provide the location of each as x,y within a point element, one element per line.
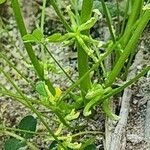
<point>90,23</point>
<point>30,38</point>
<point>91,147</point>
<point>53,145</point>
<point>13,144</point>
<point>36,36</point>
<point>2,1</point>
<point>40,88</point>
<point>28,123</point>
<point>87,143</point>
<point>57,37</point>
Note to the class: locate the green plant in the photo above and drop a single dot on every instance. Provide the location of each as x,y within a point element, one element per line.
<point>122,47</point>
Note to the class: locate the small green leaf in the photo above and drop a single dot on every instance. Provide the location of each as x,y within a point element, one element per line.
<point>30,38</point>
<point>91,147</point>
<point>28,123</point>
<point>90,23</point>
<point>57,37</point>
<point>88,142</point>
<point>53,145</point>
<point>40,88</point>
<point>14,144</point>
<point>38,34</point>
<point>54,37</point>
<point>2,1</point>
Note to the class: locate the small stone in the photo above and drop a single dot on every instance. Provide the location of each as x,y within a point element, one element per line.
<point>134,138</point>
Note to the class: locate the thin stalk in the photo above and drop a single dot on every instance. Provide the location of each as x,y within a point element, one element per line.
<point>20,99</point>
<point>108,18</point>
<point>75,7</point>
<point>118,17</point>
<point>135,13</point>
<point>83,65</point>
<point>19,130</point>
<point>124,18</point>
<point>13,42</point>
<point>43,15</point>
<point>29,144</point>
<point>42,26</point>
<point>31,107</point>
<point>33,58</point>
<point>129,48</point>
<point>58,64</point>
<point>59,13</point>
<point>18,71</point>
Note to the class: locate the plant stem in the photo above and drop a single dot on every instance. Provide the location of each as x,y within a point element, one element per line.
<point>59,13</point>
<point>58,63</point>
<point>18,71</point>
<point>108,18</point>
<point>124,18</point>
<point>135,13</point>
<point>34,60</point>
<point>83,65</point>
<point>129,48</point>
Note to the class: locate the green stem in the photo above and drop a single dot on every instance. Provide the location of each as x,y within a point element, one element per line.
<point>124,18</point>
<point>43,15</point>
<point>58,63</point>
<point>135,13</point>
<point>29,144</point>
<point>83,65</point>
<point>59,13</point>
<point>42,26</point>
<point>13,66</point>
<point>108,18</point>
<point>34,60</point>
<point>129,48</point>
